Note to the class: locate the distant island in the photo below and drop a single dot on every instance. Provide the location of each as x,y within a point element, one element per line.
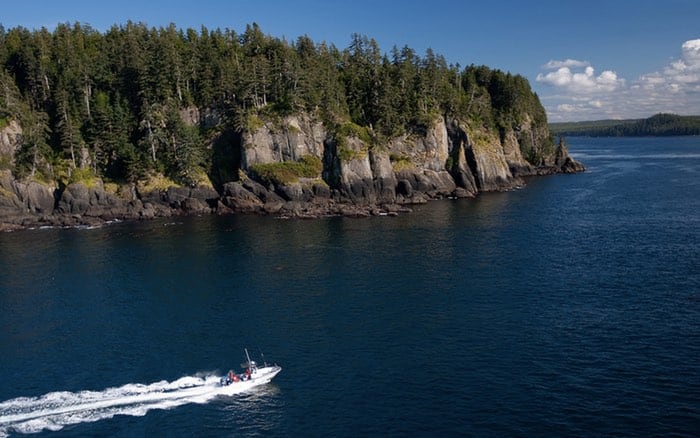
<point>658,125</point>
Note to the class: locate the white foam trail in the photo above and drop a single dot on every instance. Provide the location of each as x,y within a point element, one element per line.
<point>55,410</point>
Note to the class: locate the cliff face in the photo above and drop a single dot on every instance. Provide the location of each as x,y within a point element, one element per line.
<point>355,175</point>
<point>288,140</point>
<point>20,198</point>
<point>450,159</point>
<point>408,169</point>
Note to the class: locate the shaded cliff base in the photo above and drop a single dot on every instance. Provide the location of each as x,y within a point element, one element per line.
<point>32,204</point>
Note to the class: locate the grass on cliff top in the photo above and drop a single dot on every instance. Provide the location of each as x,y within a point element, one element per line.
<point>111,187</point>
<point>400,162</point>
<point>288,172</point>
<point>199,178</point>
<point>85,177</point>
<point>350,129</point>
<point>254,122</point>
<point>272,114</point>
<point>64,172</point>
<point>155,183</point>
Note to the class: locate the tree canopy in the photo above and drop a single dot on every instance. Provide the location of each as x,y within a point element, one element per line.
<point>113,102</point>
<point>661,124</point>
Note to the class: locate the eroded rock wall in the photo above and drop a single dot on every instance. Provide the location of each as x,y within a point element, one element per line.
<point>452,158</point>
<point>287,140</point>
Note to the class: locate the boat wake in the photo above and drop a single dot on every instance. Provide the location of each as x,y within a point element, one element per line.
<point>55,410</point>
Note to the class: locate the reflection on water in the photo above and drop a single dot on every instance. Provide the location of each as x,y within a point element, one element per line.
<point>254,413</point>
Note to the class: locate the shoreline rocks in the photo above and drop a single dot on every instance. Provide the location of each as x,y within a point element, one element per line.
<point>342,175</point>
<point>79,205</point>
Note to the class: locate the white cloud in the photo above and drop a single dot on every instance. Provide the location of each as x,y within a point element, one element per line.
<point>580,82</point>
<point>566,107</point>
<point>553,64</point>
<point>580,94</point>
<point>687,69</point>
<point>691,50</point>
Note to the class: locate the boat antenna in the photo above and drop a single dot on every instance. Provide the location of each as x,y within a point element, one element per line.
<point>250,365</point>
<point>262,356</point>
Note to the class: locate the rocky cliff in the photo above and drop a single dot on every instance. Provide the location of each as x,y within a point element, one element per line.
<point>296,166</point>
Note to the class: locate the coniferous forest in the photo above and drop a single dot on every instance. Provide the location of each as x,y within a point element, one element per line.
<point>661,124</point>
<point>111,104</point>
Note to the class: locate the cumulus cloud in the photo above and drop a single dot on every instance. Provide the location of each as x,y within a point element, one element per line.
<point>581,94</point>
<point>680,75</point>
<point>583,81</point>
<point>687,69</point>
<point>691,50</point>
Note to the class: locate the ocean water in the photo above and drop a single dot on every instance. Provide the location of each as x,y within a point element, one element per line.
<point>568,307</point>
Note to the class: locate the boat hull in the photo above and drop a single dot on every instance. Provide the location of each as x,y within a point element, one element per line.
<point>259,377</point>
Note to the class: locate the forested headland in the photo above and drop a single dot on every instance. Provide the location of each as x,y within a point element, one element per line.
<point>661,124</point>
<point>138,103</point>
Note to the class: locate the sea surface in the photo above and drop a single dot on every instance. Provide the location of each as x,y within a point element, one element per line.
<point>568,307</point>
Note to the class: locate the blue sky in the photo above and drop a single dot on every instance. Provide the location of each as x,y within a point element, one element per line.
<point>586,60</point>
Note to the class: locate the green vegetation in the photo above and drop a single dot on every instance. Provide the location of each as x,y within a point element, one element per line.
<point>112,101</point>
<point>5,163</point>
<point>403,162</point>
<point>84,176</point>
<point>155,183</point>
<point>254,122</point>
<point>657,125</point>
<point>346,153</point>
<point>353,130</point>
<point>288,172</point>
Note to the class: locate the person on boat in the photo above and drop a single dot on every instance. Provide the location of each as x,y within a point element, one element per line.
<point>247,373</point>
<point>231,376</point>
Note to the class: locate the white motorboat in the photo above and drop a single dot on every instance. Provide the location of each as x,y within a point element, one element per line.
<point>253,375</point>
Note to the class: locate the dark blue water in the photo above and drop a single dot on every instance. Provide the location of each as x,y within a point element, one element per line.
<point>569,307</point>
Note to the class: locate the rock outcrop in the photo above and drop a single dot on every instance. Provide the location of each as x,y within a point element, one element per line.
<point>357,175</point>
<point>563,163</point>
<point>23,199</point>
